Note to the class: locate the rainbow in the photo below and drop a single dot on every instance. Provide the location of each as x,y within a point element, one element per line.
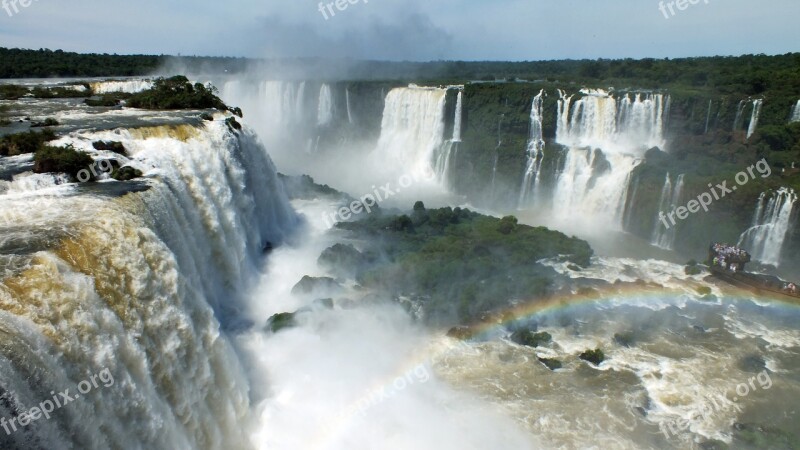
<point>631,293</point>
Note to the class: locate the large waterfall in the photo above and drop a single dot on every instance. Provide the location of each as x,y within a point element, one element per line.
<point>536,143</point>
<point>772,221</point>
<point>413,126</point>
<point>663,236</point>
<point>140,285</point>
<point>605,138</point>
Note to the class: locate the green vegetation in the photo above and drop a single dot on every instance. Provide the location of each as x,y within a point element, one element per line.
<point>458,263</point>
<point>43,63</point>
<point>126,173</point>
<point>13,92</point>
<point>49,122</point>
<point>177,93</point>
<point>108,100</point>
<point>60,92</point>
<point>4,110</point>
<point>21,143</point>
<point>595,356</point>
<point>61,160</point>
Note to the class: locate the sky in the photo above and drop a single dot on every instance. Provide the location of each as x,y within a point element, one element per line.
<point>407,29</point>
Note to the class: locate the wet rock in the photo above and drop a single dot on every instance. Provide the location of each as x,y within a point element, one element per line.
<point>531,339</point>
<point>281,321</point>
<point>551,363</point>
<point>595,356</point>
<point>310,285</point>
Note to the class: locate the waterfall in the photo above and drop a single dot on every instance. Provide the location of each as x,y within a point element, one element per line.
<point>605,139</point>
<point>754,117</point>
<point>412,129</point>
<point>325,108</point>
<point>532,177</point>
<point>459,117</point>
<point>771,224</point>
<point>599,120</point>
<point>795,117</point>
<point>739,120</point>
<point>670,198</point>
<point>138,285</point>
<point>708,116</point>
<point>127,86</point>
<point>349,111</point>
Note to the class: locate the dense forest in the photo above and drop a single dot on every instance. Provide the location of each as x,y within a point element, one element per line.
<point>749,74</point>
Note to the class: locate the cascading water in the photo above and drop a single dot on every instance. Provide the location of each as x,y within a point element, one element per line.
<point>754,117</point>
<point>412,129</point>
<point>137,284</point>
<point>795,117</point>
<point>127,86</point>
<point>457,124</point>
<point>448,151</point>
<point>670,197</point>
<point>536,143</point>
<point>605,139</point>
<point>738,121</point>
<point>349,110</point>
<point>771,224</point>
<point>708,117</point>
<point>325,109</point>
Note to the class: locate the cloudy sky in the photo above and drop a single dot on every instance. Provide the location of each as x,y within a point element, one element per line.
<point>408,29</point>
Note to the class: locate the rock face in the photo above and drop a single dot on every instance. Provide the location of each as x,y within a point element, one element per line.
<point>531,339</point>
<point>595,356</point>
<point>280,321</point>
<point>551,363</point>
<point>342,260</point>
<point>312,285</point>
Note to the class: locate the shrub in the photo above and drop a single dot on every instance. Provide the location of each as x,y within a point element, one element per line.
<point>177,93</point>
<point>507,225</point>
<point>61,160</point>
<point>21,143</point>
<point>49,122</point>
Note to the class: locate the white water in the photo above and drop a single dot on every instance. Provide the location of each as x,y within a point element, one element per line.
<point>795,117</point>
<point>739,119</point>
<point>623,125</point>
<point>128,86</point>
<point>670,198</point>
<point>536,143</point>
<point>606,138</point>
<point>771,223</point>
<point>412,129</point>
<point>349,110</point>
<point>325,109</point>
<point>138,285</point>
<point>459,117</point>
<point>754,117</point>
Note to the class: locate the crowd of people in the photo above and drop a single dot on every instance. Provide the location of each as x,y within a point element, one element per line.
<point>728,256</point>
